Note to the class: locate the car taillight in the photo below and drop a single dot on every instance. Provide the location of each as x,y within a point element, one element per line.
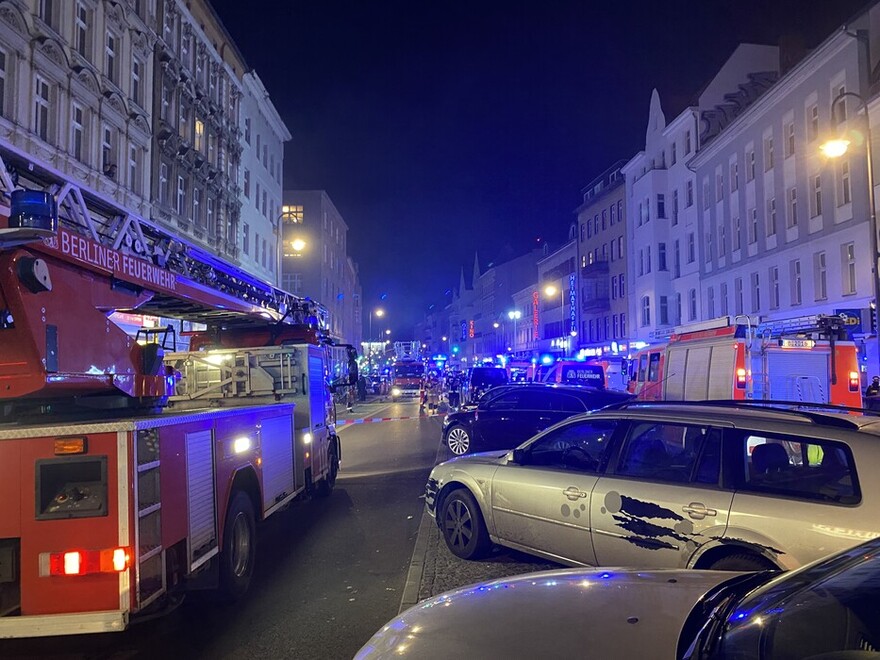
<point>740,379</point>
<point>86,562</point>
<point>854,381</point>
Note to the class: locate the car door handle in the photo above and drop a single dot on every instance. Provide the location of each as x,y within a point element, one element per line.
<point>698,510</point>
<point>574,493</point>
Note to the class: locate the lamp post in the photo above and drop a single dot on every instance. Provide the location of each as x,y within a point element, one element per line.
<point>378,313</point>
<point>836,149</point>
<point>514,315</point>
<point>289,215</point>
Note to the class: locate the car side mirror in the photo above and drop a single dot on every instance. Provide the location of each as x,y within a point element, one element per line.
<point>518,456</point>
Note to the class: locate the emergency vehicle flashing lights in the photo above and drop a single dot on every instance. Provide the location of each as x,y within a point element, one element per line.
<point>741,378</point>
<point>86,562</point>
<point>854,381</point>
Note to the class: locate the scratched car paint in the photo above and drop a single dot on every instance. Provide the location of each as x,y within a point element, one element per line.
<point>733,487</point>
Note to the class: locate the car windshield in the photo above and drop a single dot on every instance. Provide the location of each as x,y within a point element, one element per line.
<point>482,377</point>
<point>829,607</point>
<point>409,370</point>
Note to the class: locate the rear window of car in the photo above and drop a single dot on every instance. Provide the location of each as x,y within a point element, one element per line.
<point>676,453</point>
<point>482,377</point>
<point>806,469</point>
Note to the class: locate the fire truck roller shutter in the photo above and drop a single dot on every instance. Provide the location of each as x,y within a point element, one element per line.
<point>276,441</point>
<point>675,374</point>
<point>798,375</point>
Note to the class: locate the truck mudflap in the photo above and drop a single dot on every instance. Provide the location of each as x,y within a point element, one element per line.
<point>44,625</point>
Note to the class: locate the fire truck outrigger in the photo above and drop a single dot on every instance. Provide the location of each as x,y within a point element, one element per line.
<point>130,471</point>
<point>808,358</point>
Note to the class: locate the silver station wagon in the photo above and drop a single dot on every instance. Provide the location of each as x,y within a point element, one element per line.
<point>720,485</point>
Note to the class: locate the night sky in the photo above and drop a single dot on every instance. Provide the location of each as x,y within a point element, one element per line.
<point>443,128</point>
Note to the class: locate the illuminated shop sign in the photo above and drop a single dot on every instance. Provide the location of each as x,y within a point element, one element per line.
<point>572,302</point>
<point>471,328</point>
<point>535,315</point>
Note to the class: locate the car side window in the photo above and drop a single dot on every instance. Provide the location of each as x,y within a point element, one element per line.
<point>643,367</point>
<point>509,401</point>
<point>580,446</point>
<point>536,400</point>
<point>567,403</point>
<point>660,451</point>
<point>816,469</point>
<point>654,367</point>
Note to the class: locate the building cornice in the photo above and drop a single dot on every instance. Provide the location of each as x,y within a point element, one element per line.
<point>255,86</point>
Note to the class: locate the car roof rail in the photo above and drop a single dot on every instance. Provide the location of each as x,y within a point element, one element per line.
<point>814,411</point>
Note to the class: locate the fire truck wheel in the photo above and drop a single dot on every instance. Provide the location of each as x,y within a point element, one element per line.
<point>239,547</point>
<point>324,487</point>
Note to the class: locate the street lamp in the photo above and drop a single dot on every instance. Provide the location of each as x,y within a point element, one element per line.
<point>378,313</point>
<point>514,315</point>
<point>836,149</point>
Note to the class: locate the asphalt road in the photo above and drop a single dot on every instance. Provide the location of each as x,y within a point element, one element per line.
<point>329,572</point>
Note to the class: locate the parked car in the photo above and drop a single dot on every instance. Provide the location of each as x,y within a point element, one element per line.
<point>508,415</point>
<point>826,610</point>
<point>479,379</point>
<point>724,485</point>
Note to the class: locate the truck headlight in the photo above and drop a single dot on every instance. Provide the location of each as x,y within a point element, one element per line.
<point>395,391</point>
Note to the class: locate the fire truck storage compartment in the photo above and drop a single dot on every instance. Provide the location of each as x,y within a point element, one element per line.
<point>276,440</point>
<point>10,576</point>
<point>695,373</point>
<point>795,376</point>
<point>200,487</point>
<point>71,487</point>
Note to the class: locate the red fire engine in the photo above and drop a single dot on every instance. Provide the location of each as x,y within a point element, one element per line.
<point>131,471</point>
<point>807,358</point>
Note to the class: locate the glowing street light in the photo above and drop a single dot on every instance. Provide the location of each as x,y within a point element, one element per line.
<point>550,290</point>
<point>298,244</point>
<point>834,148</point>
<point>514,315</point>
<point>378,313</point>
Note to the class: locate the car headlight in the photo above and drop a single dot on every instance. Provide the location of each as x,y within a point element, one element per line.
<point>395,391</point>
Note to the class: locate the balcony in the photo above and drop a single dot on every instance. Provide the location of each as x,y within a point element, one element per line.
<point>596,270</point>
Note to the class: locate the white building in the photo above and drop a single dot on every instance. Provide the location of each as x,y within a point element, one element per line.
<point>790,228</point>
<point>661,196</point>
<point>263,138</point>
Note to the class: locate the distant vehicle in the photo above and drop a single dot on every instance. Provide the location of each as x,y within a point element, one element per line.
<point>407,379</point>
<point>479,379</point>
<point>575,372</point>
<point>824,610</point>
<point>508,415</point>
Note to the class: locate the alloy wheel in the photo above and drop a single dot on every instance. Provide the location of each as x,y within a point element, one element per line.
<point>459,524</point>
<point>458,440</point>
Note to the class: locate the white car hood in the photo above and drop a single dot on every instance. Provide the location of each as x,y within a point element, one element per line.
<point>571,613</point>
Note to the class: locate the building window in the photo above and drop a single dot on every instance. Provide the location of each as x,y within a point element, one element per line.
<point>41,107</point>
<point>163,184</point>
<point>710,302</point>
<point>604,218</point>
<point>722,240</point>
<point>134,169</point>
<point>692,305</point>
<point>796,284</point>
<point>821,275</point>
<point>771,216</point>
<point>768,153</point>
<point>180,207</point>
<point>675,207</point>
<point>756,292</point>
<point>848,253</point>
<point>108,150</point>
<point>257,247</point>
<point>774,287</point>
<point>738,295</point>
<point>719,186</point>
<point>815,195</point>
<point>167,96</point>
<point>673,154</point>
<point>844,192</point>
<point>789,139</point>
<point>197,206</point>
<point>734,176</point>
<point>750,165</point>
<point>81,30</point>
<point>247,184</point>
<point>736,231</point>
<point>663,310</point>
<point>245,238</point>
<point>661,256</point>
<point>200,136</point>
<point>753,226</point>
<point>613,288</point>
<point>722,294</point>
<point>641,262</point>
<point>111,53</point>
<point>691,249</point>
<point>183,121</point>
<point>247,130</point>
<point>707,257</point>
<point>791,218</point>
<point>689,194</point>
<point>77,132</point>
<point>646,311</point>
<point>839,109</point>
<point>46,10</point>
<point>209,215</point>
<point>706,200</point>
<point>812,122</point>
<point>676,261</point>
<point>621,288</point>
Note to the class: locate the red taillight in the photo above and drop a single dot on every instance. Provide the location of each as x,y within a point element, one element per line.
<point>854,381</point>
<point>740,379</point>
<point>85,562</point>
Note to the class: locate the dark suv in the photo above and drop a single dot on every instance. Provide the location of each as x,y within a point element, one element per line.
<point>480,379</point>
<point>517,412</point>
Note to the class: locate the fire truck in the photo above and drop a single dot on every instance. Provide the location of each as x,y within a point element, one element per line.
<point>130,471</point>
<point>407,372</point>
<point>808,358</point>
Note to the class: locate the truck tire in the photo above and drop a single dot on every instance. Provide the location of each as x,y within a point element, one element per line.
<point>325,486</point>
<point>239,547</point>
